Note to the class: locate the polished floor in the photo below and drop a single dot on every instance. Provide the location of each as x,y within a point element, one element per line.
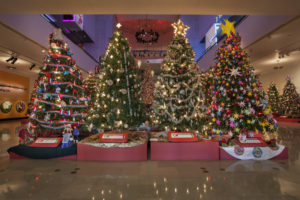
<point>57,179</point>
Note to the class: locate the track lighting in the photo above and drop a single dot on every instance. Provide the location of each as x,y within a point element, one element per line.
<point>14,60</point>
<point>9,59</point>
<point>32,66</point>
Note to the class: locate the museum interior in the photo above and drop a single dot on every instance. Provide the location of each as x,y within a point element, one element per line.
<point>149,100</point>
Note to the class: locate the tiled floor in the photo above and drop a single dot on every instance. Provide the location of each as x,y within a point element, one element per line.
<point>56,179</point>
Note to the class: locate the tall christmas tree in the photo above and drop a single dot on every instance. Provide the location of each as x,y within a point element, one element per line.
<point>290,100</point>
<point>33,97</point>
<point>148,86</point>
<point>177,97</point>
<point>238,102</point>
<point>273,98</point>
<point>60,95</point>
<point>90,85</point>
<point>118,104</point>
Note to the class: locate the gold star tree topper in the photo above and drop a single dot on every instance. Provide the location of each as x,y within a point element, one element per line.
<point>180,28</point>
<point>228,27</point>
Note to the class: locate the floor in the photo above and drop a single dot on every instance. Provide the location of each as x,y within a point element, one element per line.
<point>57,179</point>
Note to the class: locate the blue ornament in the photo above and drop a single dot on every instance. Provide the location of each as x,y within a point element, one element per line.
<point>214,130</point>
<point>219,113</point>
<point>44,109</point>
<point>66,73</point>
<point>66,90</point>
<point>40,90</point>
<point>221,133</point>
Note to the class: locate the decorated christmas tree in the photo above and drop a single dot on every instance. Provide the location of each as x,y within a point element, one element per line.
<point>148,85</point>
<point>273,98</point>
<point>33,96</point>
<point>118,102</point>
<point>90,85</point>
<point>60,95</point>
<point>177,96</point>
<point>238,102</point>
<point>290,100</point>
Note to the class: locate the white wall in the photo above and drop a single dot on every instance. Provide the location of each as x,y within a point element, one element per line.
<point>279,77</point>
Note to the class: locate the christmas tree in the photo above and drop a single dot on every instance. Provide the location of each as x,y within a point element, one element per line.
<point>273,98</point>
<point>238,102</point>
<point>148,85</point>
<point>118,102</point>
<point>60,95</point>
<point>290,100</point>
<point>90,85</point>
<point>177,96</point>
<point>33,97</point>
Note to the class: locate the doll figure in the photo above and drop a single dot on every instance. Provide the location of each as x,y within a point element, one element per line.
<point>75,132</point>
<point>24,134</point>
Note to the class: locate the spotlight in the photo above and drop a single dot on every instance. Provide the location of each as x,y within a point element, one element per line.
<point>9,59</point>
<point>14,60</point>
<point>32,66</point>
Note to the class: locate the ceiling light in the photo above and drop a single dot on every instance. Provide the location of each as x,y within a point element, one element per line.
<point>9,59</point>
<point>14,60</point>
<point>11,67</point>
<point>32,66</point>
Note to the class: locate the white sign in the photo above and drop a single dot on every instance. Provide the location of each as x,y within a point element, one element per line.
<point>46,141</point>
<point>182,135</point>
<point>112,136</point>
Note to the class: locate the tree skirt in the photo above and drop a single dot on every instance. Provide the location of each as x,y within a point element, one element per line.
<point>134,138</point>
<point>253,153</point>
<point>42,152</point>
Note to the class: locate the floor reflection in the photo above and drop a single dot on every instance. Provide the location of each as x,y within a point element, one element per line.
<point>57,179</point>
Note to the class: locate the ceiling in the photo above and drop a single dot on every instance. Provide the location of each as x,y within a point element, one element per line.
<point>232,7</point>
<point>283,42</point>
<point>28,52</point>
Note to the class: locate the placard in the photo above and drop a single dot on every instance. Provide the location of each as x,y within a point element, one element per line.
<point>47,142</point>
<point>252,142</point>
<point>182,137</point>
<point>113,137</point>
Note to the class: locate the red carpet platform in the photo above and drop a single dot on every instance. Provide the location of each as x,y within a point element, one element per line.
<point>285,119</point>
<point>204,150</point>
<point>253,153</point>
<point>93,153</point>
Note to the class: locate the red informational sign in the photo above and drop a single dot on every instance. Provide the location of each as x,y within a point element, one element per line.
<point>47,142</point>
<point>252,142</point>
<point>182,137</point>
<point>113,137</point>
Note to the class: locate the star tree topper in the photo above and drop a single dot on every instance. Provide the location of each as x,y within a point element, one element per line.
<point>180,28</point>
<point>228,27</point>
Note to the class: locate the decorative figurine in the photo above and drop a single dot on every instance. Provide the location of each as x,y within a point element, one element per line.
<point>75,132</point>
<point>67,136</point>
<point>24,134</point>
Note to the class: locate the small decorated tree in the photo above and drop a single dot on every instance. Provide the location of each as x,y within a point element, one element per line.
<point>118,103</point>
<point>273,98</point>
<point>290,100</point>
<point>60,95</point>
<point>238,102</point>
<point>177,95</point>
<point>148,85</point>
<point>90,85</point>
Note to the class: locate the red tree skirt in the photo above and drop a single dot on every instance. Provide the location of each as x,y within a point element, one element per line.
<point>204,150</point>
<point>89,152</point>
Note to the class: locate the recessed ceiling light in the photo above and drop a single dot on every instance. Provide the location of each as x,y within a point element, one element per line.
<point>43,50</point>
<point>11,67</point>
